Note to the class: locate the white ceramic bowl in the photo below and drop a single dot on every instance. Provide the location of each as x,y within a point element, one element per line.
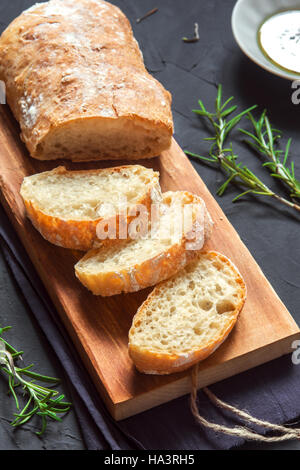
<point>247,17</point>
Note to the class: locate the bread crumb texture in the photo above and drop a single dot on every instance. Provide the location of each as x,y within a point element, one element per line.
<point>78,195</point>
<point>188,316</point>
<point>66,206</point>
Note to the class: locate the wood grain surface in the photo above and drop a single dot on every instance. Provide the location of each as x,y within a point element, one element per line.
<point>99,326</point>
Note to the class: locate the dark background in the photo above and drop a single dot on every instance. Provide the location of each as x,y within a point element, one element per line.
<point>189,72</point>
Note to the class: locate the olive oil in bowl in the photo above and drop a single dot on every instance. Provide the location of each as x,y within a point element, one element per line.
<point>279,39</point>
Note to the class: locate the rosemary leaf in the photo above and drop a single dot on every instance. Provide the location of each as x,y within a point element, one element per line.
<point>263,139</point>
<point>149,13</point>
<point>196,37</point>
<point>41,401</point>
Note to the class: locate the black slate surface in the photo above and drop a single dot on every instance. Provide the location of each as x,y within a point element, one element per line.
<point>190,72</point>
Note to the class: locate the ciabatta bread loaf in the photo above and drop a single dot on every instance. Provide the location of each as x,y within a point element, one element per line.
<point>162,252</point>
<point>67,206</point>
<point>186,318</point>
<point>77,84</point>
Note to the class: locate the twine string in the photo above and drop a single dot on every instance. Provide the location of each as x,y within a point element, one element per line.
<point>239,431</point>
<point>246,416</point>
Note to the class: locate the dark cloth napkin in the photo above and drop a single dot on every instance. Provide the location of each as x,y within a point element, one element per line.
<point>190,71</point>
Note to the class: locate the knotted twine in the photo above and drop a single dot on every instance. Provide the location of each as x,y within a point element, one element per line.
<point>239,431</point>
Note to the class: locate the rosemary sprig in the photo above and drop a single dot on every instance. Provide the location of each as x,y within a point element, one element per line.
<point>41,401</point>
<point>224,155</point>
<point>149,13</point>
<point>196,36</point>
<point>264,141</point>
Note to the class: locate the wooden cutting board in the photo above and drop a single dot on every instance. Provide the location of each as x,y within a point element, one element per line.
<point>99,327</point>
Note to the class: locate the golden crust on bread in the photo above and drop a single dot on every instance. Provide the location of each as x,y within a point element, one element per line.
<point>143,271</point>
<point>77,84</point>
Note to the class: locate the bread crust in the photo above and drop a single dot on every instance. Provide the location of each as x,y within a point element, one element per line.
<point>80,234</point>
<point>143,275</point>
<point>67,63</point>
<point>149,272</point>
<point>150,362</point>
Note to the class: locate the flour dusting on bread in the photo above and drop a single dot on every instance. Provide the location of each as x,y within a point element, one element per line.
<point>98,101</point>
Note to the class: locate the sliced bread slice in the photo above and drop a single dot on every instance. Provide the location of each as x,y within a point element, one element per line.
<point>186,318</point>
<point>175,238</point>
<point>67,206</point>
